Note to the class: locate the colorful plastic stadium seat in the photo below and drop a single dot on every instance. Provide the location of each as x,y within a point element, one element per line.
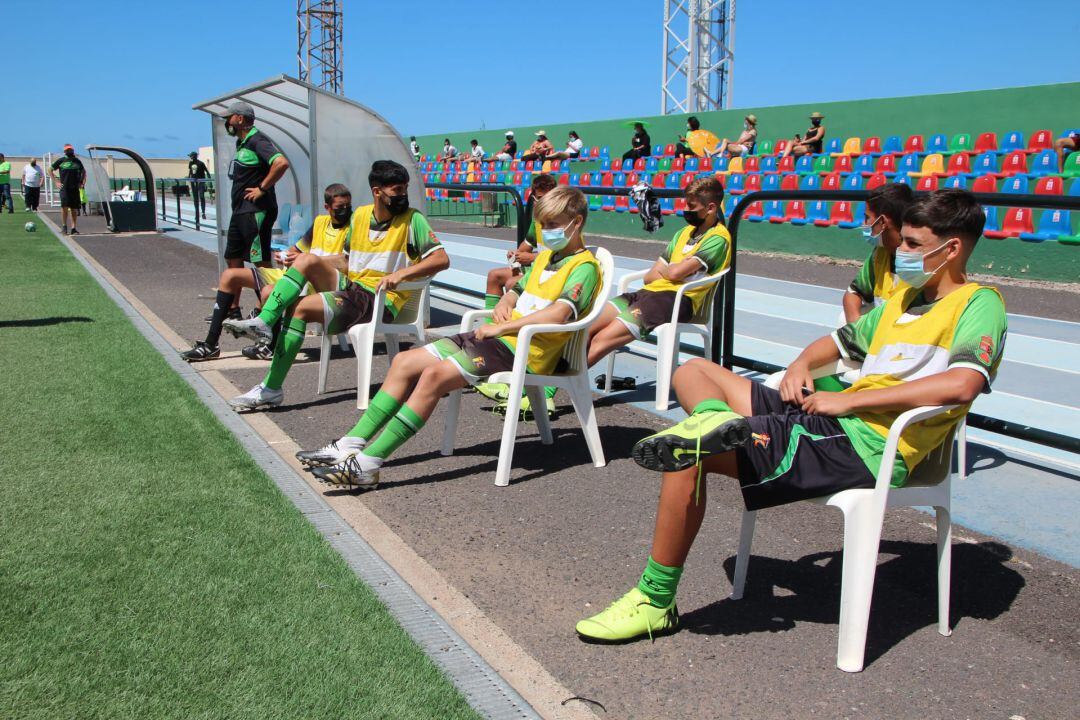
<point>736,184</point>
<point>831,181</point>
<point>581,180</point>
<point>937,144</point>
<point>596,178</point>
<point>753,182</point>
<point>875,180</point>
<point>852,182</point>
<point>908,164</point>
<point>927,184</point>
<point>692,164</point>
<point>639,164</point>
<point>893,145</point>
<point>564,179</point>
<point>864,166</point>
<point>956,182</point>
<point>1015,163</point>
<point>669,150</point>
<point>605,165</point>
<point>1011,142</point>
<point>1040,140</point>
<point>754,213</point>
<point>545,166</point>
<point>658,150</point>
<point>627,165</point>
<point>795,213</point>
<point>852,146</point>
<point>729,206</point>
<point>622,203</point>
<point>605,151</point>
<point>678,164</point>
<point>805,165</point>
<point>933,164</point>
<point>986,142</point>
<point>959,164</point>
<point>665,164</point>
<point>705,164</point>
<point>852,215</point>
<point>1016,185</point>
<point>672,182</point>
<point>1072,165</point>
<point>985,164</point>
<point>583,154</point>
<point>680,205</point>
<point>985,184</point>
<point>1015,222</point>
<point>780,147</point>
<point>991,219</point>
<point>810,182</point>
<point>667,206</point>
<point>789,182</point>
<point>686,179</point>
<point>902,179</point>
<point>768,164</point>
<point>872,146</point>
<point>594,152</point>
<point>817,212</point>
<point>734,166</point>
<point>774,209</point>
<point>630,180</point>
<point>652,165</point>
<point>607,180</point>
<point>1052,225</point>
<point>885,166</point>
<point>752,164</point>
<point>842,164</point>
<point>608,203</point>
<point>659,180</point>
<point>838,213</point>
<point>786,165</point>
<point>961,143</point>
<point>765,147</point>
<point>644,178</point>
<point>914,144</point>
<point>1043,164</point>
<point>596,202</point>
<point>833,147</point>
<point>772,182</point>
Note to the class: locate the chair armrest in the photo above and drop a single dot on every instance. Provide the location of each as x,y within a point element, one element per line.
<point>690,285</point>
<point>834,368</point>
<point>625,280</point>
<point>472,317</point>
<point>892,441</point>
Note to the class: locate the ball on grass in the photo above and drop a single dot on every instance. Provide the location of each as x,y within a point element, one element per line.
<point>30,227</point>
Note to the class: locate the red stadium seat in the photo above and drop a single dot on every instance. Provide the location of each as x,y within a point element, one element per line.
<point>914,144</point>
<point>876,180</point>
<point>840,213</point>
<point>753,184</point>
<point>659,180</point>
<point>987,142</point>
<point>608,180</point>
<point>669,150</point>
<point>586,179</point>
<point>1017,220</point>
<point>622,203</point>
<point>790,182</point>
<point>885,164</point>
<point>680,205</point>
<point>564,179</point>
<point>686,179</point>
<point>1040,140</point>
<point>594,153</point>
<point>984,184</point>
<point>639,164</point>
<point>831,181</point>
<point>678,164</point>
<point>1051,185</point>
<point>754,213</point>
<point>796,210</point>
<point>786,165</point>
<point>842,164</point>
<point>706,164</point>
<point>752,164</point>
<point>1015,163</point>
<point>959,164</point>
<point>928,183</point>
<point>780,147</point>
<point>872,146</point>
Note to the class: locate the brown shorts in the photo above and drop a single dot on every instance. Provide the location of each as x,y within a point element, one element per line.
<point>344,308</point>
<point>643,311</point>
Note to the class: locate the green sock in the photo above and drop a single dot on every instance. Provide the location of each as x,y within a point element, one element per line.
<point>288,344</point>
<point>286,291</point>
<point>550,392</point>
<point>381,408</point>
<point>401,427</point>
<point>659,582</point>
<point>490,301</point>
<point>711,406</point>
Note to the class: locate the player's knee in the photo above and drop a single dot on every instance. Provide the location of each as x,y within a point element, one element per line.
<point>305,261</point>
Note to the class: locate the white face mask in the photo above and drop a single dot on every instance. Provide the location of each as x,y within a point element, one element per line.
<point>909,266</point>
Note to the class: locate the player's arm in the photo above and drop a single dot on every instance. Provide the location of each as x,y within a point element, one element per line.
<point>820,352</point>
<point>682,269</point>
<point>956,386</point>
<point>853,303</point>
<point>525,253</point>
<point>433,263</point>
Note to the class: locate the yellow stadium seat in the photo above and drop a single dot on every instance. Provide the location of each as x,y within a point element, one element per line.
<point>933,164</point>
<point>852,146</point>
<point>734,167</point>
<point>546,166</point>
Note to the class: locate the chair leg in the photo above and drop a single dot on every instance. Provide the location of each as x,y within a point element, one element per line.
<point>742,560</point>
<point>944,567</point>
<point>363,349</point>
<point>961,449</point>
<point>581,398</point>
<point>343,342</point>
<point>509,434</point>
<point>453,411</point>
<point>325,345</point>
<point>862,534</point>
<point>610,371</point>
<point>666,340</point>
<point>539,406</point>
<point>707,340</point>
<point>393,347</point>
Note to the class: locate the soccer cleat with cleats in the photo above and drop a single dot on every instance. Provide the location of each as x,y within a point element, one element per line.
<point>234,314</point>
<point>335,453</point>
<point>629,618</point>
<point>201,351</point>
<point>707,432</point>
<point>351,474</point>
<point>253,328</point>
<point>494,391</point>
<point>258,397</point>
<point>258,351</point>
<point>526,412</point>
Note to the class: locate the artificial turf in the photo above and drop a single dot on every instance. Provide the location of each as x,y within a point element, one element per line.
<point>148,567</point>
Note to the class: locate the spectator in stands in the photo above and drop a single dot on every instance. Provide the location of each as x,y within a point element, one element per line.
<point>811,143</point>
<point>389,243</point>
<point>573,148</point>
<point>939,342</point>
<point>198,173</point>
<point>32,178</point>
<point>745,144</point>
<point>325,239</point>
<point>696,141</point>
<point>877,281</point>
<point>414,148</point>
<point>559,287</point>
<point>701,248</point>
<point>1063,146</point>
<point>540,148</point>
<point>449,152</point>
<point>640,143</point>
<point>509,148</point>
<point>5,185</point>
<point>71,180</point>
<point>476,151</point>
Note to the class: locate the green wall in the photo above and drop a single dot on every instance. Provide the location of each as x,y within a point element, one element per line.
<point>1027,109</point>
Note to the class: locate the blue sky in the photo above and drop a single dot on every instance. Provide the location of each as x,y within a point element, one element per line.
<point>121,72</point>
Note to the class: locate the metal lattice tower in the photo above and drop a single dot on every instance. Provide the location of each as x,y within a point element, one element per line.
<point>319,47</point>
<point>699,55</point>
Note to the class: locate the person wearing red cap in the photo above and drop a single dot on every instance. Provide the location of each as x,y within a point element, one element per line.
<point>71,180</point>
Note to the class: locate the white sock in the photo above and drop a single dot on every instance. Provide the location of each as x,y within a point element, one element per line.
<point>351,442</point>
<point>368,463</point>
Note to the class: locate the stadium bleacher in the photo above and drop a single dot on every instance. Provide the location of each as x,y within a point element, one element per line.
<point>980,165</point>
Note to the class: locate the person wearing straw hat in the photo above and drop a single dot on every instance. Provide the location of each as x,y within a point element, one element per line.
<point>540,148</point>
<point>746,142</point>
<point>811,142</point>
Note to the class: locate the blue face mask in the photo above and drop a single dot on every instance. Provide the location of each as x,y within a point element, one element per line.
<point>555,239</point>
<point>909,266</point>
<point>869,235</point>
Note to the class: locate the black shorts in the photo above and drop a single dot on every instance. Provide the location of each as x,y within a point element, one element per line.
<point>351,306</point>
<point>794,456</point>
<point>249,236</point>
<point>475,359</point>
<point>69,198</point>
<point>644,311</point>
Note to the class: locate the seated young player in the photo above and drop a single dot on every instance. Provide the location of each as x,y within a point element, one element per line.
<point>702,248</point>
<point>876,281</point>
<point>389,243</point>
<point>939,342</point>
<point>557,288</point>
<point>325,238</point>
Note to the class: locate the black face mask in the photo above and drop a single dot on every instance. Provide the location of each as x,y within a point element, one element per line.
<point>693,217</point>
<point>815,123</point>
<point>397,204</point>
<point>69,153</point>
<point>340,216</point>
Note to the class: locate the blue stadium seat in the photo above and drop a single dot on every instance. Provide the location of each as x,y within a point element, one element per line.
<point>605,165</point>
<point>893,145</point>
<point>817,212</point>
<point>652,165</point>
<point>810,182</point>
<point>1016,185</point>
<point>908,164</point>
<point>608,203</point>
<point>984,164</point>
<point>605,151</point>
<point>736,184</point>
<point>596,178</point>
<point>958,182</point>
<point>667,206</point>
<point>1043,164</point>
<point>658,150</point>
<point>627,165</point>
<point>645,178</point>
<point>584,152</point>
<point>991,218</point>
<point>773,209</point>
<point>768,164</point>
<point>620,179</point>
<point>672,180</point>
<point>526,179</point>
<point>575,179</point>
<point>804,164</point>
<point>865,164</point>
<point>720,165</point>
<point>903,179</point>
<point>1052,225</point>
<point>519,154</point>
<point>852,182</point>
<point>692,164</point>
<point>937,144</point>
<point>1012,141</point>
<point>835,145</point>
<point>771,182</point>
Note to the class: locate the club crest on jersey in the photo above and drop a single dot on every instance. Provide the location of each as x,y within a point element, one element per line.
<point>761,440</point>
<point>986,349</point>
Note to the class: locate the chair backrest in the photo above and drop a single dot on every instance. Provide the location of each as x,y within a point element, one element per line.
<point>1044,163</point>
<point>875,180</point>
<point>915,144</point>
<point>986,142</point>
<point>935,467</point>
<point>984,184</point>
<point>852,146</point>
<point>810,182</point>
<point>735,165</point>
<point>805,164</point>
<point>765,147</point>
<point>1041,140</point>
<point>893,144</point>
<point>831,181</point>
<point>752,164</point>
<point>789,182</point>
<point>853,182</point>
<point>934,163</point>
<point>908,163</point>
<point>1016,185</point>
<point>843,164</point>
<point>1012,141</point>
<point>833,146</point>
<point>574,352</point>
<point>927,184</point>
<point>768,164</point>
<point>771,182</point>
<point>959,163</point>
<point>1072,165</point>
<point>1049,186</point>
<point>873,144</point>
<point>960,143</point>
<point>865,164</point>
<point>937,144</point>
<point>416,306</point>
<point>752,183</point>
<point>823,164</point>
<point>957,182</point>
<point>985,163</point>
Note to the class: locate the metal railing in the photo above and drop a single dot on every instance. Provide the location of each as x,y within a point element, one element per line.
<point>184,187</point>
<point>519,204</point>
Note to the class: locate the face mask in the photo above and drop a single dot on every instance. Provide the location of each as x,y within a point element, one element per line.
<point>746,126</point>
<point>693,217</point>
<point>341,215</point>
<point>909,266</point>
<point>555,239</point>
<point>870,236</point>
<point>397,204</point>
<point>69,153</point>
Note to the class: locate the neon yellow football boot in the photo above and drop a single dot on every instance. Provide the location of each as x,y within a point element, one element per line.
<point>712,429</point>
<point>628,618</point>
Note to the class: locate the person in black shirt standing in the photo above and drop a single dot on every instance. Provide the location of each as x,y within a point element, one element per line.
<point>640,144</point>
<point>71,181</point>
<point>198,172</point>
<point>257,166</point>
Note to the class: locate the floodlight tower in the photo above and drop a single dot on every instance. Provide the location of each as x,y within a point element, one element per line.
<point>699,55</point>
<point>319,46</point>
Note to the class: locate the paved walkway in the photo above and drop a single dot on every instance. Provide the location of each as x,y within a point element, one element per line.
<point>565,538</point>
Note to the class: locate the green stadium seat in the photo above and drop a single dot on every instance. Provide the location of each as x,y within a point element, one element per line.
<point>1072,165</point>
<point>961,143</point>
<point>765,147</point>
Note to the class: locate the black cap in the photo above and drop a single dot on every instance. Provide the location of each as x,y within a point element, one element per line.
<point>193,154</point>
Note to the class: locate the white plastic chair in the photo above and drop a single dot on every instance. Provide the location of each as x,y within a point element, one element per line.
<point>930,485</point>
<point>668,335</point>
<point>575,380</point>
<point>409,321</point>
